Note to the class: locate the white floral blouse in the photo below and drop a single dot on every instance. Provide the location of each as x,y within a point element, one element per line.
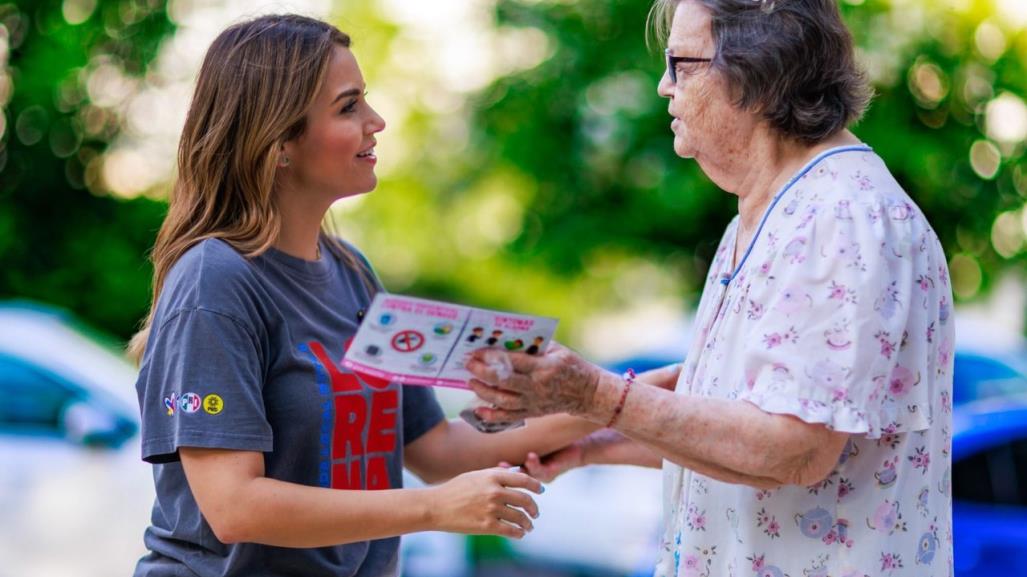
<point>839,313</point>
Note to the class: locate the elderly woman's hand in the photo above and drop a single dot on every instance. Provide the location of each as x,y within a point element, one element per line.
<point>520,385</point>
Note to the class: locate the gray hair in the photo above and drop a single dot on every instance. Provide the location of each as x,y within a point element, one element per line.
<point>792,61</point>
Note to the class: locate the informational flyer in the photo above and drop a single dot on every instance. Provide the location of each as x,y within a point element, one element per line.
<point>423,342</point>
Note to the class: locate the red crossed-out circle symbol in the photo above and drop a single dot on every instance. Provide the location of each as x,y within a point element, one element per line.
<point>407,341</point>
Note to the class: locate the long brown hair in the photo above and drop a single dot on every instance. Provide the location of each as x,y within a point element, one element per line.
<point>257,82</point>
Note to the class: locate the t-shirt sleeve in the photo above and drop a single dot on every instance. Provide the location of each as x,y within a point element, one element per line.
<point>421,412</point>
<point>843,336</point>
<point>201,386</point>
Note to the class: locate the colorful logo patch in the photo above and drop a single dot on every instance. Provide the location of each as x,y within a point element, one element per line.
<point>171,403</point>
<point>189,403</point>
<point>213,404</point>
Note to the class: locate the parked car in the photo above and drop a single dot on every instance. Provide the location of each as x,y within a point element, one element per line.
<point>74,494</point>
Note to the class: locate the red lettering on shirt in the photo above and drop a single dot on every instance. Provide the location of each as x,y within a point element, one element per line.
<point>381,433</point>
<point>346,475</point>
<point>364,432</point>
<point>340,381</point>
<point>350,417</point>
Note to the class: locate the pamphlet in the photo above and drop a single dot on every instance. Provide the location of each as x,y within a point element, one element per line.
<point>423,342</point>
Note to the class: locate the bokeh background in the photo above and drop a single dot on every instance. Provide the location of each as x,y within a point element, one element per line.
<point>527,163</point>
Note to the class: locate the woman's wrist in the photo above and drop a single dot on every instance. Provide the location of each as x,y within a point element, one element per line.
<point>605,398</point>
<point>425,507</point>
<point>595,447</point>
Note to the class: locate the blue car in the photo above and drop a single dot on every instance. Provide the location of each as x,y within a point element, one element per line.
<point>74,495</point>
<point>989,463</point>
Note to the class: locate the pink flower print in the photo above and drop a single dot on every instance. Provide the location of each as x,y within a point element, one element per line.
<point>890,562</point>
<point>793,299</point>
<point>902,381</point>
<point>930,332</point>
<point>925,282</point>
<point>769,523</point>
<point>837,291</point>
<point>946,401</point>
<point>755,312</point>
<point>762,517</point>
<point>776,339</point>
<point>757,562</point>
<point>887,347</point>
<point>943,274</point>
<point>762,494</point>
<point>696,518</point>
<point>795,250</point>
<point>889,440</point>
<point>845,488</point>
<point>765,269</point>
<point>921,459</point>
<point>691,565</point>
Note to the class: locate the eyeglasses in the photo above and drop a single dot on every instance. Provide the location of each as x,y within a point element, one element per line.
<point>673,61</point>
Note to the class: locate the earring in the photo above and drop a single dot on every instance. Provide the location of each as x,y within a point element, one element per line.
<point>285,161</point>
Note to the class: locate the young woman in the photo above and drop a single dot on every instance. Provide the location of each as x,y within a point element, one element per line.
<point>268,458</point>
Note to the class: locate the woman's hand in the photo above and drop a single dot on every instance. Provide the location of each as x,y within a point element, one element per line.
<point>486,502</point>
<point>521,385</point>
<point>548,468</point>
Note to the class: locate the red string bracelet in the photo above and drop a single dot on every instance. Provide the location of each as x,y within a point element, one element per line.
<point>629,378</point>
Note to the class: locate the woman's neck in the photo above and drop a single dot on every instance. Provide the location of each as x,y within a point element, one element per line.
<point>300,226</point>
<point>770,163</point>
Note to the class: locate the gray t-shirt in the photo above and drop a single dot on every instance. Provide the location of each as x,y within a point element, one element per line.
<point>245,354</point>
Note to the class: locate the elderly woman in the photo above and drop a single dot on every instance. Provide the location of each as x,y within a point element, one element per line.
<point>809,429</point>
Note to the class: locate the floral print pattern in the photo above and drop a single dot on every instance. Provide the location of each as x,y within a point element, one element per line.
<point>840,315</point>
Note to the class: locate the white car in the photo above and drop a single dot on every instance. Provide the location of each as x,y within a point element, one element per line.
<point>74,493</point>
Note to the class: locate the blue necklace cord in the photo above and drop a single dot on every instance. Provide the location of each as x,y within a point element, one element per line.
<point>726,279</point>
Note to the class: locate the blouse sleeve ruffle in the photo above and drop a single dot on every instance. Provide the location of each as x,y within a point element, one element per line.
<point>849,332</point>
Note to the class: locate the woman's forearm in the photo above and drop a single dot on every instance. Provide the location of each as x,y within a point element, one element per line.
<point>273,512</point>
<point>471,450</point>
<point>732,441</point>
<point>608,447</point>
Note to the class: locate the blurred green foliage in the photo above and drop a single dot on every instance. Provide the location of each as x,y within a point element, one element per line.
<point>61,243</point>
<point>552,190</point>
